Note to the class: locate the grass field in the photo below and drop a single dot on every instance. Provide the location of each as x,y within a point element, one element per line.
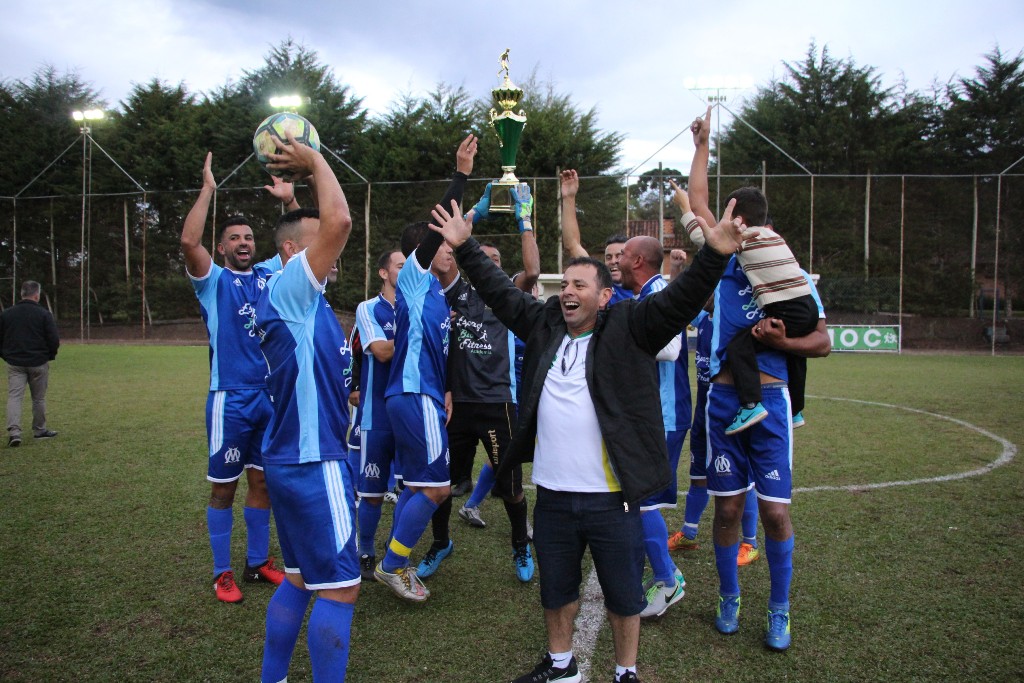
<point>107,566</point>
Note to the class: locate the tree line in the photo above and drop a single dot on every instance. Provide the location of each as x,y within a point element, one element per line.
<point>831,115</point>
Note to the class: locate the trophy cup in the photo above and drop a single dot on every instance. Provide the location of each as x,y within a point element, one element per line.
<point>508,126</point>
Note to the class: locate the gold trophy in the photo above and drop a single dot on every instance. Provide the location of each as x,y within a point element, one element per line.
<point>508,126</point>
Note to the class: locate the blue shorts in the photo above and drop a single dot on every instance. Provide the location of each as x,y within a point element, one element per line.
<point>315,511</point>
<point>668,497</point>
<point>762,454</point>
<point>421,441</point>
<point>376,457</point>
<point>699,435</point>
<point>235,423</point>
<point>565,524</point>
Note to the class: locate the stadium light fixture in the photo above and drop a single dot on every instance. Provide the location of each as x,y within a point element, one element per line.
<point>288,101</point>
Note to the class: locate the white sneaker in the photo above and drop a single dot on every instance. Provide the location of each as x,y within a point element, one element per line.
<point>660,597</point>
<point>472,517</point>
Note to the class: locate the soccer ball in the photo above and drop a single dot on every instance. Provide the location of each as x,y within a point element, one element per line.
<point>276,124</point>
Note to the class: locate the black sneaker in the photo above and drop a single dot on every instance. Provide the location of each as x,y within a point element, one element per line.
<point>628,677</point>
<point>546,671</point>
<point>13,441</point>
<point>367,563</point>
<point>462,488</point>
<point>48,434</point>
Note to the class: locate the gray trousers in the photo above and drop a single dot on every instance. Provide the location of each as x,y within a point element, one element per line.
<point>36,378</point>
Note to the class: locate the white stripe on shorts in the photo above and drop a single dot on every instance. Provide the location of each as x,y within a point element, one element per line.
<point>217,422</point>
<point>336,498</point>
<point>431,428</point>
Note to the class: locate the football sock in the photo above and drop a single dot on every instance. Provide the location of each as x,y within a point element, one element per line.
<point>728,573</point>
<point>517,513</point>
<point>560,659</point>
<point>484,484</point>
<point>408,529</point>
<point>696,502</point>
<point>369,519</point>
<point>403,498</point>
<point>656,544</point>
<point>780,569</point>
<point>219,523</point>
<point>257,529</point>
<point>330,629</point>
<point>285,612</point>
<point>620,670</point>
<point>440,523</point>
<point>750,518</point>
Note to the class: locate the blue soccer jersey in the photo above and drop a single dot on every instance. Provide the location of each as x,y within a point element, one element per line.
<point>702,354</point>
<point>422,323</point>
<point>619,293</point>
<point>310,366</point>
<point>673,376</point>
<point>375,320</point>
<point>226,299</point>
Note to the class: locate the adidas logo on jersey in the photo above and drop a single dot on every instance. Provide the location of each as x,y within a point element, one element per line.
<point>464,296</point>
<point>773,475</point>
<point>388,327</point>
<point>238,283</point>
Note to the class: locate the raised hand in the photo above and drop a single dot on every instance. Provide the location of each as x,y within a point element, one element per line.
<point>281,189</point>
<point>679,198</point>
<point>570,183</point>
<point>524,206</point>
<point>451,225</point>
<point>465,154</point>
<point>293,158</point>
<point>701,129</point>
<point>208,181</point>
<point>727,235</point>
<point>481,211</point>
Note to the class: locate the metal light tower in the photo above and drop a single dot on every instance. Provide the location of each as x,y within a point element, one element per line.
<point>83,118</point>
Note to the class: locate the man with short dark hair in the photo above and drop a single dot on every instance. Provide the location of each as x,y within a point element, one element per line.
<point>238,405</point>
<point>590,422</point>
<point>28,342</point>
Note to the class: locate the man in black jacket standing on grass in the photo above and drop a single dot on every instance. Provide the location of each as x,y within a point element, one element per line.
<point>28,342</point>
<point>590,420</point>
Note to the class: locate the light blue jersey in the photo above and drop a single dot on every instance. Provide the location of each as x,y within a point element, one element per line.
<point>375,320</point>
<point>673,376</point>
<point>310,365</point>
<point>422,323</point>
<point>226,299</point>
<point>619,293</point>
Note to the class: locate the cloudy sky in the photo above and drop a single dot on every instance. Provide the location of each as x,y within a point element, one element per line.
<point>630,60</point>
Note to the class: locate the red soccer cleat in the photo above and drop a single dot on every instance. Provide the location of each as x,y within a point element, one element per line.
<point>226,588</point>
<point>264,573</point>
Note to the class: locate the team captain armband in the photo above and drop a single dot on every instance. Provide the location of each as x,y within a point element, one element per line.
<point>689,221</point>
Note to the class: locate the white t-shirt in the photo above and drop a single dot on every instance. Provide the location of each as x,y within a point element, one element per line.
<point>570,453</point>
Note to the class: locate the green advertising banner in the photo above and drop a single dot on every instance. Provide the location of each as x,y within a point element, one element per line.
<point>864,337</point>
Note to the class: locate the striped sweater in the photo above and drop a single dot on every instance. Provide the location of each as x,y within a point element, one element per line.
<point>767,262</point>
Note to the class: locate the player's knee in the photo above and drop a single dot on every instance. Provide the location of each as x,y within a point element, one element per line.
<point>437,494</point>
<point>775,519</point>
<point>223,495</point>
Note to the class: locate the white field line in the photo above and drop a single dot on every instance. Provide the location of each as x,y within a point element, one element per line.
<point>591,615</point>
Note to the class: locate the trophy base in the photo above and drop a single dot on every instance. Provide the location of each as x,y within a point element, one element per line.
<point>501,193</point>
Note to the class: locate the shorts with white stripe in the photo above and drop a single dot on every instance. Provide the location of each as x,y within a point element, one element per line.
<point>314,508</point>
<point>235,423</point>
<point>421,441</point>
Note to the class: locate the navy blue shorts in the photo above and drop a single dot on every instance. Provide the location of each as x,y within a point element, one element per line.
<point>565,524</point>
<point>235,423</point>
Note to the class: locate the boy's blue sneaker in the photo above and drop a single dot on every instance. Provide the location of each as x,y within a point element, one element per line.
<point>777,636</point>
<point>727,620</point>
<point>523,559</point>
<point>798,420</point>
<point>432,560</point>
<point>746,417</point>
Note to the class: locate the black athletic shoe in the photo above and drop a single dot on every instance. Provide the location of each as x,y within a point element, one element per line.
<point>13,441</point>
<point>628,677</point>
<point>367,563</point>
<point>48,434</point>
<point>462,488</point>
<point>547,671</point>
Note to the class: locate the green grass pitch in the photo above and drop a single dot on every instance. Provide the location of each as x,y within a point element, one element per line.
<point>106,564</point>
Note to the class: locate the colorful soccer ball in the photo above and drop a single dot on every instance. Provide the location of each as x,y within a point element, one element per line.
<point>276,125</point>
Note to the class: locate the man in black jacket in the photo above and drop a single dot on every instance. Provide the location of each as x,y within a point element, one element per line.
<point>28,342</point>
<point>590,420</point>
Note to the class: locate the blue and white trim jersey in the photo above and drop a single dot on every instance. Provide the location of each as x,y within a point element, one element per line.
<point>702,354</point>
<point>736,309</point>
<point>226,299</point>
<point>619,293</point>
<point>375,320</point>
<point>422,324</point>
<point>310,368</point>
<point>673,376</point>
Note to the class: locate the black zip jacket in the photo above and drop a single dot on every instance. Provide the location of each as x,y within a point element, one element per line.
<point>621,370</point>
<point>28,335</point>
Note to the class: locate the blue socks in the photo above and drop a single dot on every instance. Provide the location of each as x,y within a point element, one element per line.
<point>257,529</point>
<point>750,518</point>
<point>219,523</point>
<point>728,573</point>
<point>696,502</point>
<point>285,611</point>
<point>780,568</point>
<point>655,541</point>
<point>415,515</point>
<point>329,633</point>
<point>369,518</point>
<point>484,484</point>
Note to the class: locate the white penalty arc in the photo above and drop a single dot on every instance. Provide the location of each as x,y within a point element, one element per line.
<point>1005,457</point>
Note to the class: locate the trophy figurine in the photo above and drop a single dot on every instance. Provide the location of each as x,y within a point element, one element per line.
<point>508,126</point>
